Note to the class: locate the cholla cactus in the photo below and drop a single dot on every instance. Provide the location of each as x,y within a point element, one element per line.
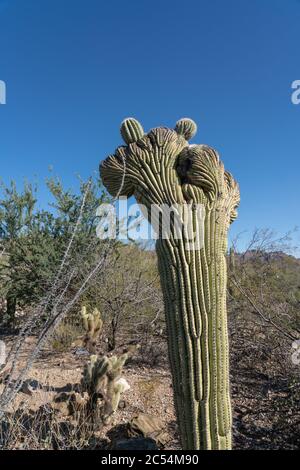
<point>162,169</point>
<point>94,374</point>
<point>102,379</point>
<point>92,323</point>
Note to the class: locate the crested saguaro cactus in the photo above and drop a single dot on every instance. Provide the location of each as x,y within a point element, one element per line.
<point>163,170</point>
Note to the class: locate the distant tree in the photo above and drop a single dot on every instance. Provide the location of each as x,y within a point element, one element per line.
<point>16,220</point>
<point>129,297</point>
<point>34,241</point>
<point>264,280</point>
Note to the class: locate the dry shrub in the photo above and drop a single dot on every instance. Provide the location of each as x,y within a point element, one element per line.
<point>65,335</point>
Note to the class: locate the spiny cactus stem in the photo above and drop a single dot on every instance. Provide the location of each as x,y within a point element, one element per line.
<point>198,344</point>
<point>131,130</point>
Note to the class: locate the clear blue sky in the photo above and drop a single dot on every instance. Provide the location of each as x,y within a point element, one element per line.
<point>75,68</point>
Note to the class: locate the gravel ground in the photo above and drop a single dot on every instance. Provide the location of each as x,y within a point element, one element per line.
<point>257,423</point>
<point>150,391</point>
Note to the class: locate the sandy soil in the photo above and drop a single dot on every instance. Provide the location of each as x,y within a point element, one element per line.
<point>150,390</point>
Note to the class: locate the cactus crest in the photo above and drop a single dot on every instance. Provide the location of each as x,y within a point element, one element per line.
<point>186,127</point>
<point>131,130</point>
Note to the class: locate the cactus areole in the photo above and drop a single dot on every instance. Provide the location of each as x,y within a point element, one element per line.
<point>161,168</point>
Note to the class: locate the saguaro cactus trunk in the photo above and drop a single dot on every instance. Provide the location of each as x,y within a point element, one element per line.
<point>163,171</point>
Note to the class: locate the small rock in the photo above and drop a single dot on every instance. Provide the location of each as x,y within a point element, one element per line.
<point>81,352</point>
<point>149,426</point>
<point>138,443</point>
<point>146,424</point>
<point>29,386</point>
<point>122,404</point>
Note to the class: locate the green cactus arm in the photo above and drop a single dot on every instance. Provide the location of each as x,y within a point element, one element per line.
<point>84,317</point>
<point>131,130</point>
<point>162,169</point>
<point>98,322</point>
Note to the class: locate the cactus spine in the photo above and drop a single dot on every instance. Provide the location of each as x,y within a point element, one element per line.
<point>162,169</point>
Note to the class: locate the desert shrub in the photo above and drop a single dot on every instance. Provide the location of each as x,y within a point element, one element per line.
<point>65,335</point>
<point>263,324</point>
<point>44,429</point>
<point>129,297</point>
<point>34,241</point>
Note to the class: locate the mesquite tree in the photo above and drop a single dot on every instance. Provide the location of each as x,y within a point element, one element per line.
<point>162,170</point>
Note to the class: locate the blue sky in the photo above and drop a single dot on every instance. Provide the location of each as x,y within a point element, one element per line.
<point>74,69</point>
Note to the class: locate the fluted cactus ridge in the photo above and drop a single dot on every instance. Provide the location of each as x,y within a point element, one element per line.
<point>162,169</point>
